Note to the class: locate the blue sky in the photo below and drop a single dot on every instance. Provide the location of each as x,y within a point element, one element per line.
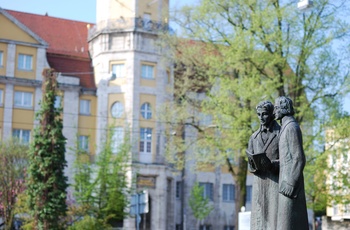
<point>80,10</point>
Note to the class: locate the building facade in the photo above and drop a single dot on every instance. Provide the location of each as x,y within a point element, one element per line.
<point>111,74</point>
<point>339,162</point>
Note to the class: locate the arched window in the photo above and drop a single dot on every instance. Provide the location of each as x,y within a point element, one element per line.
<point>146,110</point>
<point>117,109</point>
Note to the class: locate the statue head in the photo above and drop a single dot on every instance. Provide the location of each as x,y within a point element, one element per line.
<point>264,110</point>
<point>283,107</point>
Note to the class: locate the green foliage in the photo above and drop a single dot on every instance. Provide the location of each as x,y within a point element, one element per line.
<point>13,166</point>
<point>251,51</point>
<point>200,206</point>
<point>87,223</point>
<point>47,183</point>
<point>337,160</point>
<point>101,189</point>
<point>22,209</point>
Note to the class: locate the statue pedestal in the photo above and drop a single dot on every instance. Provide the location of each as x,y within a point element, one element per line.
<point>244,221</point>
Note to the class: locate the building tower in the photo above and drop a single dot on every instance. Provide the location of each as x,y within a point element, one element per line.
<point>131,78</point>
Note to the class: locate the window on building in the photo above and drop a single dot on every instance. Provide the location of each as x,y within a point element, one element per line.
<point>205,227</point>
<point>178,227</point>
<point>23,99</point>
<point>25,62</point>
<point>1,58</point>
<point>335,209</point>
<point>118,70</point>
<point>145,140</point>
<point>168,76</point>
<point>229,227</point>
<point>57,103</point>
<point>84,143</point>
<point>147,71</point>
<point>1,96</point>
<point>22,135</point>
<point>117,139</point>
<point>85,106</point>
<point>249,194</point>
<point>147,21</point>
<point>146,110</point>
<point>207,190</point>
<point>228,192</point>
<point>117,109</point>
<point>178,190</point>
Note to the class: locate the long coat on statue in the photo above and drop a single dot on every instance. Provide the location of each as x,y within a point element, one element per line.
<point>265,182</point>
<point>292,213</point>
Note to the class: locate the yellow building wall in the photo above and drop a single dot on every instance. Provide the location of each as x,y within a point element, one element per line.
<point>3,49</point>
<point>123,8</point>
<point>112,98</point>
<point>165,11</point>
<point>13,32</point>
<point>149,123</point>
<point>25,73</point>
<point>87,123</point>
<point>146,7</point>
<point>152,8</point>
<point>23,118</point>
<point>205,167</point>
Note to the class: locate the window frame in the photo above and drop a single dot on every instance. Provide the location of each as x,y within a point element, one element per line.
<point>207,194</point>
<point>84,143</point>
<point>83,108</point>
<point>229,227</point>
<point>22,101</point>
<point>121,72</point>
<point>145,145</point>
<point>20,135</point>
<point>25,64</point>
<point>146,110</point>
<point>228,192</point>
<point>117,138</point>
<point>119,110</point>
<point>178,190</point>
<point>148,71</point>
<point>205,227</point>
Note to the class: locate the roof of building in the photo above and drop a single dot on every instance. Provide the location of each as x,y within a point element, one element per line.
<point>71,66</point>
<point>68,50</point>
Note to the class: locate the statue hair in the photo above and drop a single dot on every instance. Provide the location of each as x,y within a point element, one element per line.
<point>286,105</point>
<point>265,105</point>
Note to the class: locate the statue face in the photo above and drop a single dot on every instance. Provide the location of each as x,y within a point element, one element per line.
<point>264,116</point>
<point>277,111</point>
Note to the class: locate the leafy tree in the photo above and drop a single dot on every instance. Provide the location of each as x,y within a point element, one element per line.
<point>200,205</point>
<point>336,163</point>
<point>250,51</point>
<point>47,183</point>
<point>102,189</point>
<point>13,166</point>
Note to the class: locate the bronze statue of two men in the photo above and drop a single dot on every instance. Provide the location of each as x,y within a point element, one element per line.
<point>276,158</point>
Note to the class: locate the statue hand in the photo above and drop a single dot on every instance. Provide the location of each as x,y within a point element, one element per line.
<point>286,189</point>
